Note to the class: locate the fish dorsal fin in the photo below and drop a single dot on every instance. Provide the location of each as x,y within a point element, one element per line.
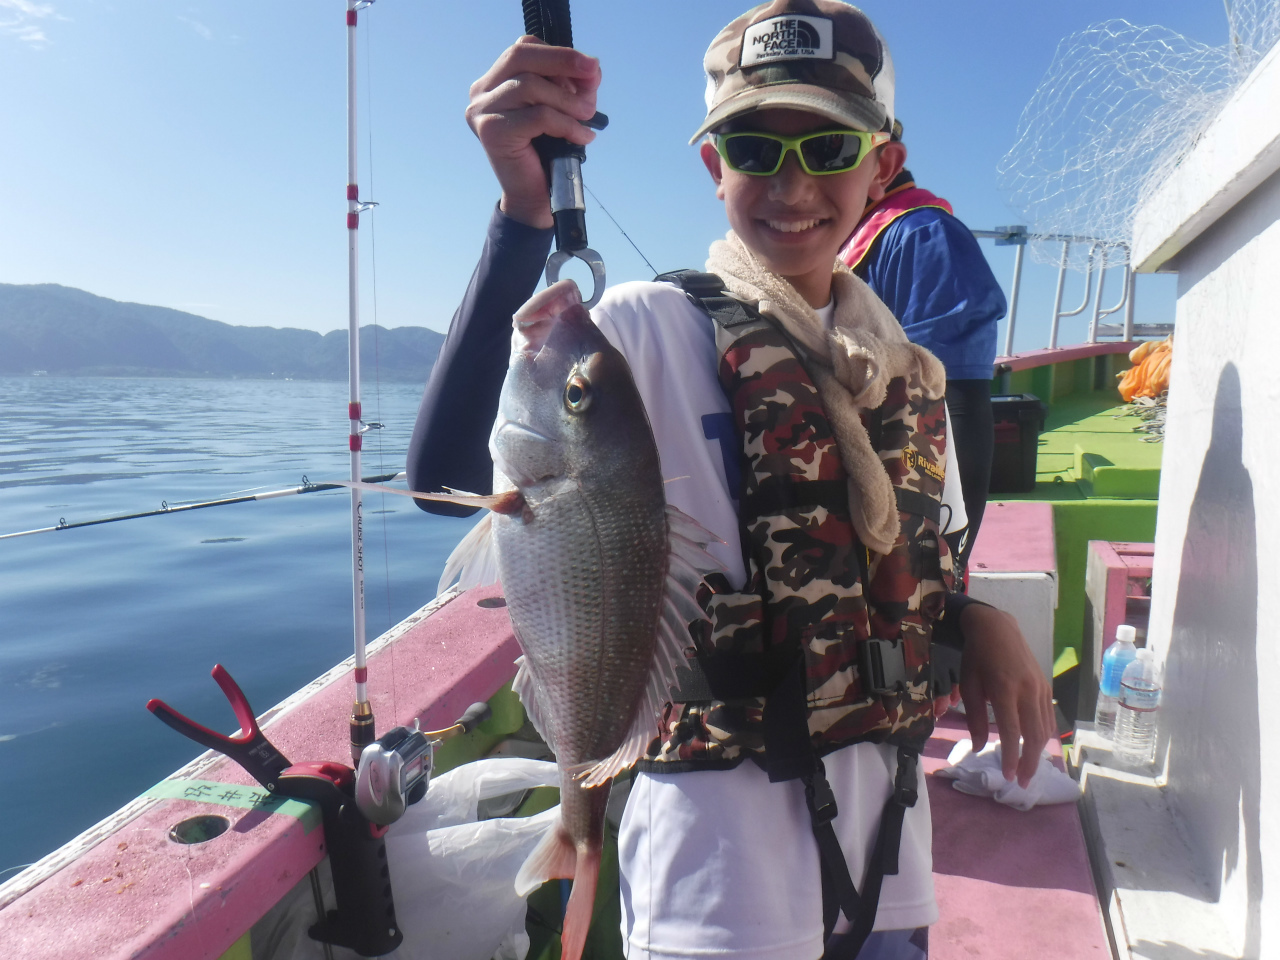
<point>526,688</point>
<point>686,562</point>
<point>473,562</point>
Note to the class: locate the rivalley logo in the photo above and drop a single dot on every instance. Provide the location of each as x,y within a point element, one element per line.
<point>787,38</point>
<point>913,459</point>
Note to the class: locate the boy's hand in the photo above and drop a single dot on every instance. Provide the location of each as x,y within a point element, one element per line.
<point>532,89</point>
<point>997,667</point>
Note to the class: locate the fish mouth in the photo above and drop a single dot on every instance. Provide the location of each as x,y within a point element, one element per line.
<point>558,305</point>
<point>518,427</point>
<point>535,451</point>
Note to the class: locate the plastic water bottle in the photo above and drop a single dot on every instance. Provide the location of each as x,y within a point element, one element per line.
<point>1118,656</point>
<point>1139,703</point>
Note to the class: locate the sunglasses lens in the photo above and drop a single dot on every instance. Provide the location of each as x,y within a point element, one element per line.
<point>831,152</point>
<point>751,154</point>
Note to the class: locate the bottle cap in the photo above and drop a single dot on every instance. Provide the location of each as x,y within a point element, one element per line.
<point>1145,654</point>
<point>1126,633</point>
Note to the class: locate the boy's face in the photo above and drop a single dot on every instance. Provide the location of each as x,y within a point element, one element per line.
<point>793,222</point>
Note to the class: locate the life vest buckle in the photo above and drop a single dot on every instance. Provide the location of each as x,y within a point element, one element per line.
<point>821,798</point>
<point>884,667</point>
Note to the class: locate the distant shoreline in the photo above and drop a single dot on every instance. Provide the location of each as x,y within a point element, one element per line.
<point>47,330</point>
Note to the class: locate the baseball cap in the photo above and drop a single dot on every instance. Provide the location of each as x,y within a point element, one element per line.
<point>821,56</point>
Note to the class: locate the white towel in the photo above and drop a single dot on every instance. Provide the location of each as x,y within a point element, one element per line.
<point>979,774</point>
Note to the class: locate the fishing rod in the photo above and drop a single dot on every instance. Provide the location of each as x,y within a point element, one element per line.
<point>166,508</point>
<point>361,723</point>
<point>549,21</point>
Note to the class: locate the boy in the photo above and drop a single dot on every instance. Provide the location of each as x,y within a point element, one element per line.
<point>718,857</point>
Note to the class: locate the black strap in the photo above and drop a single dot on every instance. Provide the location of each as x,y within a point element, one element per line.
<point>921,504</point>
<point>706,291</point>
<point>779,494</point>
<point>838,891</point>
<point>883,862</point>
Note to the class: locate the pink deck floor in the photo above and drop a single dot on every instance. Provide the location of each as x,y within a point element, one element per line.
<point>1010,884</point>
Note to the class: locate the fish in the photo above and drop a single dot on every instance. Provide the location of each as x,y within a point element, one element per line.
<point>599,573</point>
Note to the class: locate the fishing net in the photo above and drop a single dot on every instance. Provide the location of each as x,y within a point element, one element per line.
<point>1119,107</point>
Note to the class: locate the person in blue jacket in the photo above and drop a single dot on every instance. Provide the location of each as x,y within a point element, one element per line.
<point>928,269</point>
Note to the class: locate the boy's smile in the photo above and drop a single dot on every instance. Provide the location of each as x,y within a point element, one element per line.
<point>793,222</point>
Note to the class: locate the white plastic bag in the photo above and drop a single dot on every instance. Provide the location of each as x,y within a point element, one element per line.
<point>453,878</point>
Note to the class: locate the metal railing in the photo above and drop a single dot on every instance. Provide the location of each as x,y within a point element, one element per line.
<point>1100,251</point>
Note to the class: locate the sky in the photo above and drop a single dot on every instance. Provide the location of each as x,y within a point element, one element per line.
<point>192,155</point>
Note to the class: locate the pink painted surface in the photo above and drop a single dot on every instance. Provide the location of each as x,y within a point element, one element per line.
<point>1124,562</point>
<point>1047,356</point>
<point>1010,885</point>
<point>1016,537</point>
<point>138,894</point>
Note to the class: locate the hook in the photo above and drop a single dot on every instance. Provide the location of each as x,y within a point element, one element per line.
<point>587,256</point>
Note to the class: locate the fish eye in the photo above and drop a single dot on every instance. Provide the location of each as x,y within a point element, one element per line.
<point>577,394</point>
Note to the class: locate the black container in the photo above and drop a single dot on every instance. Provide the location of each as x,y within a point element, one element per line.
<point>1019,419</point>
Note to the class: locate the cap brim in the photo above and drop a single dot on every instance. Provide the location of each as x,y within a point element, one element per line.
<point>858,114</point>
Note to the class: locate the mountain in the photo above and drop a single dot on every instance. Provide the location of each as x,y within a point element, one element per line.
<point>69,332</point>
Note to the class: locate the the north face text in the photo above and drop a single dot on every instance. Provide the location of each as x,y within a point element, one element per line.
<point>787,38</point>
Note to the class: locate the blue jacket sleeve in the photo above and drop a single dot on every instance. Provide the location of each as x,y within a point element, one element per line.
<point>450,443</point>
<point>928,269</point>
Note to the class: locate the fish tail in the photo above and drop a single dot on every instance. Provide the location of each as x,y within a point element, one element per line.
<point>556,857</point>
<point>577,916</point>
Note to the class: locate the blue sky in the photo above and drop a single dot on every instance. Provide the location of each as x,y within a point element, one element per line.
<point>192,155</point>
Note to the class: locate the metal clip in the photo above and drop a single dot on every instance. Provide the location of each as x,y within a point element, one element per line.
<point>587,256</point>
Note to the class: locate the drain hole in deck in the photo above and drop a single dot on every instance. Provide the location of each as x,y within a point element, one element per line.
<point>199,829</point>
<point>492,602</point>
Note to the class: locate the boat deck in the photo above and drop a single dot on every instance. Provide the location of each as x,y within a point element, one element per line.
<point>1010,884</point>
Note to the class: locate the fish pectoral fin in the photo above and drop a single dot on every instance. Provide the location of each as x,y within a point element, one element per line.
<point>680,523</point>
<point>554,858</point>
<point>632,749</point>
<point>473,562</point>
<point>526,688</point>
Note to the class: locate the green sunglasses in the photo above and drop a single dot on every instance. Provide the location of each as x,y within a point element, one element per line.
<point>821,153</point>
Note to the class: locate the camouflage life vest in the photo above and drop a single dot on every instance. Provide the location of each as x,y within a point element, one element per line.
<point>848,628</point>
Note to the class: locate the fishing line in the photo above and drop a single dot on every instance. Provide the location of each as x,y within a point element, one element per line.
<point>377,350</point>
<point>620,230</point>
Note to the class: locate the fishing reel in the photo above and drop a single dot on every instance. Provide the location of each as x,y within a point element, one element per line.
<point>395,769</point>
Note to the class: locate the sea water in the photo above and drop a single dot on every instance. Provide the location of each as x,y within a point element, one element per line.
<point>96,621</point>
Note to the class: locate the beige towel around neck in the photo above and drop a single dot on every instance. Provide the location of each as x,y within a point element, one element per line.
<point>851,364</point>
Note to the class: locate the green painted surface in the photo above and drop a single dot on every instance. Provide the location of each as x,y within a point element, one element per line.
<point>240,950</point>
<point>1099,473</point>
<point>507,718</point>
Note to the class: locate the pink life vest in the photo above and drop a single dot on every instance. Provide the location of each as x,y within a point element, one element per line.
<point>873,223</point>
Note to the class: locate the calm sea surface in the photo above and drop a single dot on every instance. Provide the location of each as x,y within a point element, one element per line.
<point>95,621</point>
